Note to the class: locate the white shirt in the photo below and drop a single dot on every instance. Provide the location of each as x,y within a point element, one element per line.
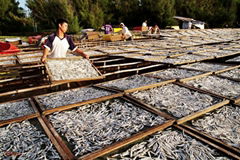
<point>58,47</point>
<point>126,32</point>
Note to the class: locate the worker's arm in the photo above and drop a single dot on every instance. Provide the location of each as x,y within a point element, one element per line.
<point>79,51</point>
<point>45,54</point>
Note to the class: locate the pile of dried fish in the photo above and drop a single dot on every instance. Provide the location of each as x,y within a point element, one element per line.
<point>169,144</point>
<point>15,109</point>
<point>71,96</point>
<point>8,62</point>
<point>134,81</point>
<point>95,126</point>
<point>29,55</point>
<point>217,85</point>
<point>30,59</point>
<point>24,141</point>
<point>235,73</point>
<point>206,66</point>
<point>178,101</point>
<point>222,124</point>
<point>175,73</point>
<point>194,57</point>
<point>94,53</point>
<point>7,57</point>
<point>71,69</point>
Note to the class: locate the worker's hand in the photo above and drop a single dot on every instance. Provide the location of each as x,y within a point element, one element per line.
<point>43,59</point>
<point>86,56</point>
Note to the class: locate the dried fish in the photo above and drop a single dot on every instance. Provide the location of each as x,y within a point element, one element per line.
<point>15,109</point>
<point>134,81</point>
<point>235,73</point>
<point>95,126</point>
<point>7,57</point>
<point>30,59</point>
<point>169,144</point>
<point>175,73</point>
<point>24,141</point>
<point>206,66</point>
<point>8,62</point>
<point>217,85</point>
<point>94,53</point>
<point>223,124</point>
<point>176,100</point>
<point>71,96</point>
<point>71,69</point>
<point>29,55</point>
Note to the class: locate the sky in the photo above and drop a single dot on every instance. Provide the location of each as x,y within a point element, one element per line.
<point>23,4</point>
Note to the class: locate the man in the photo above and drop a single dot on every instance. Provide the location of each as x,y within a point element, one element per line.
<point>58,43</point>
<point>144,24</point>
<point>108,29</point>
<point>126,34</point>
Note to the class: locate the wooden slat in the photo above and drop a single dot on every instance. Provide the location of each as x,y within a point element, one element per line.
<point>149,86</point>
<point>64,150</point>
<point>195,77</point>
<point>70,106</point>
<point>227,69</point>
<point>231,151</point>
<point>202,112</point>
<point>147,107</point>
<point>126,141</point>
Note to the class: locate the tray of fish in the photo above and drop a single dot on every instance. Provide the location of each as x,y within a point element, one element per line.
<point>211,67</point>
<point>26,140</point>
<point>131,82</point>
<point>217,85</point>
<point>236,59</point>
<point>133,49</point>
<point>29,60</point>
<point>235,73</point>
<point>175,100</point>
<point>167,144</point>
<point>112,50</point>
<point>194,57</point>
<point>7,62</point>
<point>63,98</point>
<point>27,55</point>
<point>94,126</point>
<point>71,69</point>
<point>150,57</point>
<point>128,55</point>
<point>16,109</point>
<point>171,60</point>
<point>7,57</point>
<point>222,124</point>
<point>175,73</point>
<point>91,53</point>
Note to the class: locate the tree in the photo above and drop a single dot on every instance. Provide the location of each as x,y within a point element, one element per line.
<point>13,18</point>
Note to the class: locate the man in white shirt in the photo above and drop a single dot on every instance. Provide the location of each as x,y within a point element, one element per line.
<point>144,24</point>
<point>58,43</point>
<point>126,34</point>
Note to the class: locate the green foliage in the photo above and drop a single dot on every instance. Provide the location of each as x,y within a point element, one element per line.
<point>95,13</point>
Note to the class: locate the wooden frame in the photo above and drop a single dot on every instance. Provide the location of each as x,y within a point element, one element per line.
<point>72,80</point>
<point>21,118</point>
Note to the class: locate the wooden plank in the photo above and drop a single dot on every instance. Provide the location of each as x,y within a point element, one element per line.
<point>127,141</point>
<point>229,150</point>
<point>147,107</point>
<point>202,91</point>
<point>195,77</point>
<point>65,151</point>
<point>202,112</point>
<point>149,86</point>
<point>64,155</point>
<point>70,106</point>
<point>227,69</point>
